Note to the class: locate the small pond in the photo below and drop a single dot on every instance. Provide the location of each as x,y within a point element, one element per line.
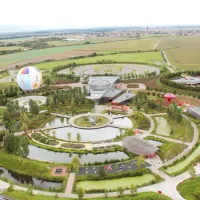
<point>87,134</point>
<point>163,127</point>
<point>125,121</point>
<point>37,153</point>
<point>155,143</point>
<point>24,179</point>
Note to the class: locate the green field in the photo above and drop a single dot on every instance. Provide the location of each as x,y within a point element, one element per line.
<point>16,57</point>
<point>115,183</point>
<point>19,195</point>
<point>182,51</point>
<point>183,164</point>
<point>144,44</point>
<point>187,189</point>
<point>147,57</point>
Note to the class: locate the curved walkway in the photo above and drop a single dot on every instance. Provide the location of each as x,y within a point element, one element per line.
<point>168,187</point>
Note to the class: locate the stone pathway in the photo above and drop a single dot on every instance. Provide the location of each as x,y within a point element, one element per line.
<point>70,183</point>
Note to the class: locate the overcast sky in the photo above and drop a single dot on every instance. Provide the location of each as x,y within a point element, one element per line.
<point>98,13</point>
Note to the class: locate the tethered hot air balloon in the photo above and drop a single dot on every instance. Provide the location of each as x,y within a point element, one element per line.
<point>29,78</point>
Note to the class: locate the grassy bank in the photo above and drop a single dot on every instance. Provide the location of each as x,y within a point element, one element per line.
<point>187,188</point>
<point>26,166</point>
<point>19,195</point>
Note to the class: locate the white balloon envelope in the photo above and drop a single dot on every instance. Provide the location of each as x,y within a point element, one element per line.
<point>29,78</point>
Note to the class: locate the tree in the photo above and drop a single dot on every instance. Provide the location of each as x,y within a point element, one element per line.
<point>146,108</point>
<point>24,127</point>
<point>30,189</point>
<point>78,137</point>
<point>197,193</point>
<point>140,161</point>
<point>69,136</point>
<point>133,190</point>
<point>75,164</point>
<point>80,192</point>
<point>192,172</point>
<point>23,146</point>
<point>51,102</point>
<point>120,191</point>
<point>102,172</point>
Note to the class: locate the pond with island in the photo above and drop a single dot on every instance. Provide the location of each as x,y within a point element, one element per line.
<point>87,135</point>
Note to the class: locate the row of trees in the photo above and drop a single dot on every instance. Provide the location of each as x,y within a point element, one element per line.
<point>70,97</point>
<point>175,112</point>
<point>10,91</point>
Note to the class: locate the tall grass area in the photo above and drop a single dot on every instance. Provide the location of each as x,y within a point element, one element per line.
<point>26,166</point>
<point>150,58</point>
<point>182,131</point>
<point>19,195</point>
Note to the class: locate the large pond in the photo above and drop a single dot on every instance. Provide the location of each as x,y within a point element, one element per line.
<point>87,134</point>
<point>36,153</point>
<point>23,179</point>
<point>163,127</point>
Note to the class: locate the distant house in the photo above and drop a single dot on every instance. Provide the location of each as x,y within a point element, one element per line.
<point>194,111</point>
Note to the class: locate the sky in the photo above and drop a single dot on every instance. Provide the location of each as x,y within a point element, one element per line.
<point>98,13</point>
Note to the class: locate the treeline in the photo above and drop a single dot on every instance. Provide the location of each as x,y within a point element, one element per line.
<point>3,52</point>
<point>141,100</point>
<point>61,78</point>
<point>174,112</point>
<point>72,97</point>
<point>167,80</point>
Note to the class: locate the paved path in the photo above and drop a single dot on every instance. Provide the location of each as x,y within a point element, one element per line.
<point>70,183</point>
<point>152,124</point>
<point>151,115</point>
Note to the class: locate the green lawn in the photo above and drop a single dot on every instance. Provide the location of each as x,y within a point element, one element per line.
<point>183,164</point>
<point>147,57</point>
<point>19,195</point>
<point>187,189</point>
<point>84,121</point>
<point>113,184</point>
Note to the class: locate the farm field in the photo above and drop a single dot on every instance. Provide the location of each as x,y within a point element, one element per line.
<point>143,44</point>
<point>115,183</point>
<point>182,51</point>
<point>147,57</point>
<point>21,56</point>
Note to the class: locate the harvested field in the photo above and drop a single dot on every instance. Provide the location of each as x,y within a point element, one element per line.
<point>182,51</point>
